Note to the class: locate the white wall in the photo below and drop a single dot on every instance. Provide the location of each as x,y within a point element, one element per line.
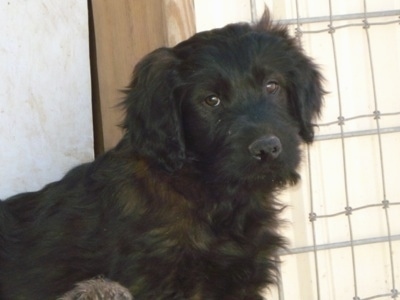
<point>45,94</point>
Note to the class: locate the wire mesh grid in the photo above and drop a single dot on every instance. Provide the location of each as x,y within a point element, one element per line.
<point>363,21</point>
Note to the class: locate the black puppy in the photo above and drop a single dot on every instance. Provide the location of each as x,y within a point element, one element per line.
<point>184,206</point>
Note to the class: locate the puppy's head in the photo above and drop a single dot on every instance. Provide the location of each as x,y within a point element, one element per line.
<point>237,99</point>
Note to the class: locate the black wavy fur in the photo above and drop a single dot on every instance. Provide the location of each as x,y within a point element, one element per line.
<point>184,206</point>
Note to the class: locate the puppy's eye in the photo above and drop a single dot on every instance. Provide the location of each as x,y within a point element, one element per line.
<point>212,100</point>
<point>272,87</point>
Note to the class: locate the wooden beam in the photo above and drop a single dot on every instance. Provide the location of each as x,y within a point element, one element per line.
<point>123,32</point>
<point>179,20</point>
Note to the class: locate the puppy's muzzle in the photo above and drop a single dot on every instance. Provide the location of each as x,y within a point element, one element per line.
<point>266,147</point>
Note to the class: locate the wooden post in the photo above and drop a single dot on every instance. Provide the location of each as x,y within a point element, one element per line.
<point>179,20</point>
<point>122,32</point>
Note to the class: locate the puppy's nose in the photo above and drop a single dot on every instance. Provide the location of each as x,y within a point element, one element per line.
<point>268,146</point>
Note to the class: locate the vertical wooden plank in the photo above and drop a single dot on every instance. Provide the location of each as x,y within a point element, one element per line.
<point>124,31</point>
<point>179,20</point>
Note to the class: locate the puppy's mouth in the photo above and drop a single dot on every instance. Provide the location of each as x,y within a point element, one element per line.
<point>274,173</point>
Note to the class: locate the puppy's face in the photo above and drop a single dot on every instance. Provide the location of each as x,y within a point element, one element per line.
<point>234,102</point>
<point>238,119</point>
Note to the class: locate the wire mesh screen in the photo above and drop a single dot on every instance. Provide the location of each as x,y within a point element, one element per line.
<point>345,216</point>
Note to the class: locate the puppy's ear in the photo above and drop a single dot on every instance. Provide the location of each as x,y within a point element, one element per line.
<point>306,97</point>
<point>153,117</point>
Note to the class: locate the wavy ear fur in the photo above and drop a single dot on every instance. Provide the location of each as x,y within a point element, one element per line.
<point>307,99</point>
<point>153,120</point>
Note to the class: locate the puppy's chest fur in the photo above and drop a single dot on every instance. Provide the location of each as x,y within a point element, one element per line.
<point>188,239</point>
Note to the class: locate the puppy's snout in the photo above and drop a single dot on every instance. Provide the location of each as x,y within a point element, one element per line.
<point>266,147</point>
